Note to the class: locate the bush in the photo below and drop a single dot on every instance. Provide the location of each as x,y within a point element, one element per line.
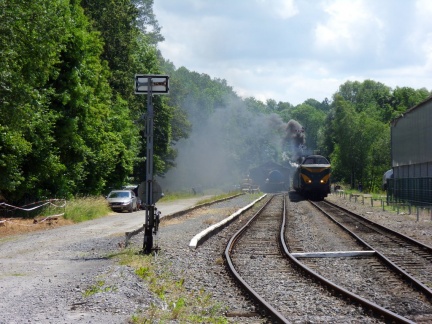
<point>83,209</point>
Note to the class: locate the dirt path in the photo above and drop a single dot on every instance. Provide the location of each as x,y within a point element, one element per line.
<point>44,274</point>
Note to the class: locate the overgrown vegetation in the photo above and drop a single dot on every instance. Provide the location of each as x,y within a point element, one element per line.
<point>179,304</point>
<point>356,131</point>
<point>224,196</point>
<point>86,208</point>
<point>71,125</point>
<point>171,196</point>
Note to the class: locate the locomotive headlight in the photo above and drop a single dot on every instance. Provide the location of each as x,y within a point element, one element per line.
<point>325,179</point>
<point>306,179</point>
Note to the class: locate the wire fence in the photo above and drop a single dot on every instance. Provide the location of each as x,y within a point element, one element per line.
<point>46,209</point>
<point>413,191</point>
<point>408,196</point>
<point>413,194</point>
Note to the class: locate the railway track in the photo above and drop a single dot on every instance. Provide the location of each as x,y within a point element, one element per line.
<point>256,256</point>
<point>397,267</point>
<point>412,259</point>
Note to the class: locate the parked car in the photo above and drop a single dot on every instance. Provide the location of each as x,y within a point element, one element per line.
<point>120,200</point>
<point>134,188</point>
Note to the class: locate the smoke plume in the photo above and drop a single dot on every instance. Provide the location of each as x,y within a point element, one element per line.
<point>223,147</point>
<point>295,139</point>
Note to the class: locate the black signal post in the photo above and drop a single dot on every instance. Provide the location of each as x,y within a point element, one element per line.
<point>150,84</point>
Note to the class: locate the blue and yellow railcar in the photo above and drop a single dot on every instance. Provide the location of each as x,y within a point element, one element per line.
<point>312,177</point>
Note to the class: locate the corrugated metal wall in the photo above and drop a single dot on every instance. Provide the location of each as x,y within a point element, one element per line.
<point>411,146</point>
<point>412,137</point>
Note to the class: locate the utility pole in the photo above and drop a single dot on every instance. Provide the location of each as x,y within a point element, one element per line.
<point>150,84</point>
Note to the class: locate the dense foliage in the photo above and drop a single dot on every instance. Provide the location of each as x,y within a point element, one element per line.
<point>352,130</point>
<point>356,132</point>
<point>70,123</point>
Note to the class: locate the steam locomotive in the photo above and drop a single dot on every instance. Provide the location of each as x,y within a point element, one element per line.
<point>312,177</point>
<point>271,177</point>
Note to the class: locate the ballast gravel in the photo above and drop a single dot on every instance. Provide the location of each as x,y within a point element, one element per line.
<point>44,275</point>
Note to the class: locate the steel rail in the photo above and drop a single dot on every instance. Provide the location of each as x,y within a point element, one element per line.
<point>385,313</point>
<point>416,283</point>
<point>273,313</point>
<point>400,235</point>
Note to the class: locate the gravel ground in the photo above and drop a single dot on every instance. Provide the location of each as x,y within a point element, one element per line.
<point>364,276</point>
<point>202,268</point>
<point>43,275</point>
<point>420,229</point>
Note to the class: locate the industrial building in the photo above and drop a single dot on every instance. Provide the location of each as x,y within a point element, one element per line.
<point>411,150</point>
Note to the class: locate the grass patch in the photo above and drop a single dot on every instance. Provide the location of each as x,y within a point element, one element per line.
<point>75,211</point>
<point>172,196</point>
<point>99,287</point>
<point>210,221</point>
<point>219,197</point>
<point>179,304</point>
<point>87,208</point>
<point>13,274</point>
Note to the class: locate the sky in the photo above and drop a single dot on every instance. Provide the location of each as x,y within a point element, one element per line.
<point>294,50</point>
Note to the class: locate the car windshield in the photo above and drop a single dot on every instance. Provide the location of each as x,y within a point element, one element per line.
<point>119,194</point>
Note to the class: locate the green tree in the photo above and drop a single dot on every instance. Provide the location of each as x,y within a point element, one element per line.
<point>60,120</point>
<point>272,105</point>
<point>197,93</point>
<point>360,141</point>
<point>379,158</point>
<point>323,106</point>
<point>130,32</point>
<point>368,96</point>
<point>326,134</point>
<point>341,154</point>
<point>32,35</point>
<point>88,145</point>
<point>285,111</point>
<point>147,21</point>
<point>255,105</point>
<point>404,98</point>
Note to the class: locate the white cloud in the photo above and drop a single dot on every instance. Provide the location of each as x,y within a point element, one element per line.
<point>283,9</point>
<point>286,80</point>
<point>422,35</point>
<point>424,7</point>
<point>294,50</point>
<point>349,26</point>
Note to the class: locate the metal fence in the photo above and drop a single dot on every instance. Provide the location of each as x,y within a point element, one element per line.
<point>413,194</point>
<point>413,191</point>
